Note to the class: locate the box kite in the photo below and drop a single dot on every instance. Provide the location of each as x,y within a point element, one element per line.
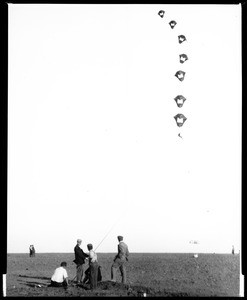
<point>181,38</point>
<point>183,58</point>
<point>180,100</point>
<point>161,13</point>
<point>180,75</point>
<point>180,119</point>
<point>173,24</point>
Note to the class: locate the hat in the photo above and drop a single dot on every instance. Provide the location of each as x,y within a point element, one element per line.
<point>90,246</point>
<point>120,238</point>
<point>63,264</point>
<point>79,241</point>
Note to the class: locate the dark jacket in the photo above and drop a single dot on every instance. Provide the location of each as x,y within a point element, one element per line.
<point>80,256</point>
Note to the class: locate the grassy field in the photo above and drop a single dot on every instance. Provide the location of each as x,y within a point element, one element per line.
<point>157,274</point>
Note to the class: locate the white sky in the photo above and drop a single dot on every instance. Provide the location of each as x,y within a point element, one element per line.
<point>92,138</point>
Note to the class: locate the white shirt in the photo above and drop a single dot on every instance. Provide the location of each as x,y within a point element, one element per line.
<point>59,275</point>
<point>92,256</point>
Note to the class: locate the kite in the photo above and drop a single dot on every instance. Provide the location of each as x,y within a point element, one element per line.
<point>194,242</point>
<point>161,13</point>
<point>181,38</point>
<point>183,58</point>
<point>180,119</point>
<point>180,100</point>
<point>180,75</point>
<point>173,24</point>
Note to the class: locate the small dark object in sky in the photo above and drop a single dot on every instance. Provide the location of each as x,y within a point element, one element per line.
<point>173,24</point>
<point>180,119</point>
<point>183,58</point>
<point>161,13</point>
<point>181,38</point>
<point>180,100</point>
<point>180,135</point>
<point>180,75</point>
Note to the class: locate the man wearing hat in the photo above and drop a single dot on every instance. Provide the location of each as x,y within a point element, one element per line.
<point>79,260</point>
<point>120,261</point>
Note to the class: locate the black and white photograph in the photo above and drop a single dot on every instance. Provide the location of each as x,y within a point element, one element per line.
<point>124,150</point>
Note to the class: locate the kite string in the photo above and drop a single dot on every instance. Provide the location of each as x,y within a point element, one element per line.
<point>106,235</point>
<point>108,232</point>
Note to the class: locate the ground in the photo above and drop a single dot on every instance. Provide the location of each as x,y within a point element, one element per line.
<point>156,274</point>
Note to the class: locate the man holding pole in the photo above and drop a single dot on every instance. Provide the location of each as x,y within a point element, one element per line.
<point>120,261</point>
<point>79,260</point>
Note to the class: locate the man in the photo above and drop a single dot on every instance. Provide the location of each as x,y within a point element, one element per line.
<point>33,251</point>
<point>79,260</point>
<point>92,271</point>
<point>30,250</point>
<point>60,276</point>
<point>120,261</point>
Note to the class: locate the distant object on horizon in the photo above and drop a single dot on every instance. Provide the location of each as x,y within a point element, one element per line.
<point>31,251</point>
<point>233,251</point>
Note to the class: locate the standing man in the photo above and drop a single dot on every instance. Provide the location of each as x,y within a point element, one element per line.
<point>79,260</point>
<point>33,251</point>
<point>120,261</point>
<point>93,267</point>
<point>30,251</point>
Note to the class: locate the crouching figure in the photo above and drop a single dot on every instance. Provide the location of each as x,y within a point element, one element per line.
<point>60,276</point>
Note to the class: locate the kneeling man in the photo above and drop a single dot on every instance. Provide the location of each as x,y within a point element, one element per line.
<point>60,276</point>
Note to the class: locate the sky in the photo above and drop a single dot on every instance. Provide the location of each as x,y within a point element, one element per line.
<point>93,147</point>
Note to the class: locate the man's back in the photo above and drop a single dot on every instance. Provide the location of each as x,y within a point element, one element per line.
<point>59,275</point>
<point>123,251</point>
<point>79,255</point>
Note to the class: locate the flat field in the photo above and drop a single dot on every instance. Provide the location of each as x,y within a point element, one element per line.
<point>156,274</point>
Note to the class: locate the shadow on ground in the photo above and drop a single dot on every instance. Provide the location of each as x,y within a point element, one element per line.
<point>35,277</point>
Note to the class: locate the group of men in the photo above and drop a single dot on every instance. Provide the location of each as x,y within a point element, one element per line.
<point>93,274</point>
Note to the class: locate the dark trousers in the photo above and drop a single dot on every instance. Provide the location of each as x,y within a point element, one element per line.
<point>93,274</point>
<point>59,284</point>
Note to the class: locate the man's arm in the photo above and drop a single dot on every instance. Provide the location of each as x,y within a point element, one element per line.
<point>65,277</point>
<point>85,254</point>
<point>127,253</point>
<point>79,253</point>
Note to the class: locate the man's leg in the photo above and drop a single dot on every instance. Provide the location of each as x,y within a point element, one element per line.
<point>123,273</point>
<point>93,275</point>
<point>65,284</point>
<point>114,268</point>
<point>99,277</point>
<point>86,278</point>
<point>79,271</point>
<point>56,284</point>
<point>113,273</point>
<point>83,272</point>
